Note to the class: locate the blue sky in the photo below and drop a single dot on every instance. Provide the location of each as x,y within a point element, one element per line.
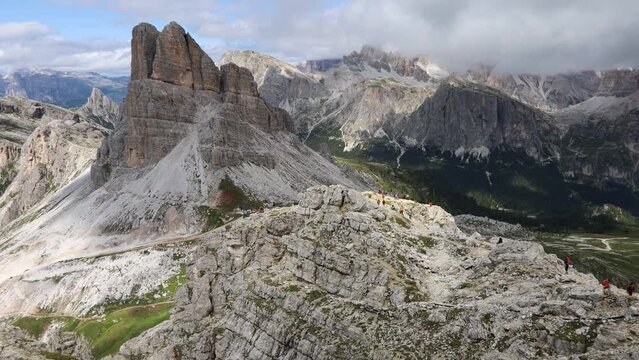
<point>514,35</point>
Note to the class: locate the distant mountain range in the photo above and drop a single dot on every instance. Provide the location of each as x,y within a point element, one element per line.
<point>62,88</point>
<point>521,147</point>
<point>576,132</point>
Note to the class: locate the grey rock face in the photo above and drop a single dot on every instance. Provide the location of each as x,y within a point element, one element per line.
<point>618,83</point>
<point>380,60</point>
<point>196,135</point>
<point>162,105</point>
<point>542,91</point>
<point>327,279</point>
<point>143,49</point>
<point>278,82</point>
<point>100,109</point>
<point>53,155</point>
<point>602,150</point>
<point>464,117</point>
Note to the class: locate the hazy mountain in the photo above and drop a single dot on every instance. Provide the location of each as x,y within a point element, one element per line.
<point>66,89</point>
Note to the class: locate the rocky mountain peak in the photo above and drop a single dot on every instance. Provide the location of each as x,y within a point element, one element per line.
<point>100,109</point>
<point>171,56</point>
<point>386,61</point>
<point>190,123</point>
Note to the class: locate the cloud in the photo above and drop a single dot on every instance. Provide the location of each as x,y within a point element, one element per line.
<point>34,45</point>
<point>27,29</point>
<point>514,35</point>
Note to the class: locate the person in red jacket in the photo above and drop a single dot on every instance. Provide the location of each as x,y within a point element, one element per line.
<point>567,263</point>
<point>631,289</point>
<point>606,284</point>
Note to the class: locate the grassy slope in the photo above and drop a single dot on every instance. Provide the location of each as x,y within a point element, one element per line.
<point>123,320</point>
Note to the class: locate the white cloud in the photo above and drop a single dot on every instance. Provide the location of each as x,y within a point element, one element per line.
<point>13,30</point>
<point>514,35</point>
<point>34,45</point>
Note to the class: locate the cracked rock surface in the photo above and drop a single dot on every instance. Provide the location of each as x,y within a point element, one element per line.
<point>338,276</point>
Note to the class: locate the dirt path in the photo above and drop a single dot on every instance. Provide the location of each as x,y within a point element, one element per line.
<point>58,315</point>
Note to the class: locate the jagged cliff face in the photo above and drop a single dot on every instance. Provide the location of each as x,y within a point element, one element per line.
<point>42,147</point>
<point>278,82</point>
<point>335,275</point>
<point>173,79</point>
<point>601,151</point>
<point>52,156</point>
<point>100,109</point>
<point>356,94</point>
<point>463,118</point>
<point>389,62</point>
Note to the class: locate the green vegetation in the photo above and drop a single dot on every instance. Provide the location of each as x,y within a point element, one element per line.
<point>55,356</point>
<point>400,221</point>
<point>124,319</point>
<point>50,185</point>
<point>163,293</point>
<point>615,256</point>
<point>413,294</point>
<point>577,332</point>
<point>233,196</point>
<point>105,334</point>
<point>34,326</point>
<point>487,318</point>
<point>453,313</point>
<point>508,185</point>
<point>213,218</point>
<point>108,334</point>
<point>315,295</point>
<point>292,288</point>
<point>7,174</point>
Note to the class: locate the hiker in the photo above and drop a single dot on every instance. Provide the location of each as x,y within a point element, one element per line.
<point>401,210</point>
<point>606,284</point>
<point>567,263</point>
<point>631,289</point>
<point>500,240</point>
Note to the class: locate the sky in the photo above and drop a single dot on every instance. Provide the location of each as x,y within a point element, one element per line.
<point>541,36</point>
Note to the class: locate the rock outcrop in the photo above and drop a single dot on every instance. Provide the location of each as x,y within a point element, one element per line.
<point>159,167</point>
<point>338,276</point>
